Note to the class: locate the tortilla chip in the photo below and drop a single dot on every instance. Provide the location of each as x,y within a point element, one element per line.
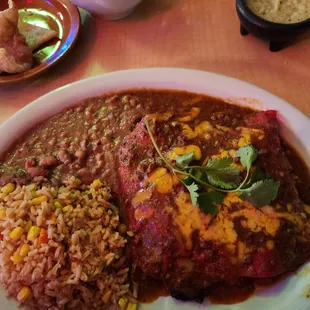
<point>35,36</point>
<point>15,54</point>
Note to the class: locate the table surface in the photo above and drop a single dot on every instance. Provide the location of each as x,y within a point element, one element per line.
<point>195,34</point>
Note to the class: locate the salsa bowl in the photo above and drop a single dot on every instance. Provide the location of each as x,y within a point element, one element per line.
<point>276,33</point>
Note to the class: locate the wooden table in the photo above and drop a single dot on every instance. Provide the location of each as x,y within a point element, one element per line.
<point>196,34</point>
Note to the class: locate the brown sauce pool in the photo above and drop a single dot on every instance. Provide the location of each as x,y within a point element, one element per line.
<point>300,173</point>
<point>230,295</point>
<point>150,291</point>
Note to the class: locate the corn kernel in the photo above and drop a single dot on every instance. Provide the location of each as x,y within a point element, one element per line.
<point>28,225</point>
<point>122,228</point>
<point>67,208</point>
<point>16,233</point>
<point>8,188</point>
<point>16,258</point>
<point>2,214</point>
<point>130,233</point>
<point>39,200</point>
<point>96,184</point>
<point>33,233</point>
<point>131,306</point>
<point>25,248</point>
<point>24,294</point>
<point>122,303</point>
<point>72,196</point>
<point>3,195</point>
<point>57,204</point>
<point>106,297</point>
<point>32,187</point>
<point>307,209</point>
<point>38,193</point>
<point>62,189</point>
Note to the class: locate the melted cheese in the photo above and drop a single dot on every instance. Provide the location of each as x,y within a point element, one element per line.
<point>206,130</point>
<point>225,153</point>
<point>222,231</point>
<point>191,115</point>
<point>179,151</point>
<point>203,130</point>
<point>162,180</point>
<point>160,116</point>
<point>143,213</point>
<point>188,132</point>
<point>141,196</point>
<point>246,135</point>
<point>189,218</point>
<point>205,127</point>
<point>242,251</point>
<point>223,128</point>
<point>294,218</point>
<point>257,220</point>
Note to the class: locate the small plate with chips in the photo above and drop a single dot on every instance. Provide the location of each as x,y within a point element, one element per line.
<point>35,35</point>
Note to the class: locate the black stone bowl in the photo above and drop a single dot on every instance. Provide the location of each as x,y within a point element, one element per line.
<point>277,34</point>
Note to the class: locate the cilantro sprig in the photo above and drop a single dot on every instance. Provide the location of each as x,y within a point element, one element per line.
<point>220,176</point>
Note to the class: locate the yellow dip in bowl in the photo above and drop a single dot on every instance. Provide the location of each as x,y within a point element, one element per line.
<point>281,11</point>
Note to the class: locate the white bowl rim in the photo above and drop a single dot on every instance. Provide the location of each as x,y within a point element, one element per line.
<point>296,130</point>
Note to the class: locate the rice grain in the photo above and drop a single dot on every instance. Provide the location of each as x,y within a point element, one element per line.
<point>75,263</point>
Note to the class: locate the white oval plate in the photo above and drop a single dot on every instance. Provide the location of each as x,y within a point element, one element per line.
<point>286,295</point>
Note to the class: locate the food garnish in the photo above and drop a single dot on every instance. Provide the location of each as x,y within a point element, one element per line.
<point>221,176</point>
